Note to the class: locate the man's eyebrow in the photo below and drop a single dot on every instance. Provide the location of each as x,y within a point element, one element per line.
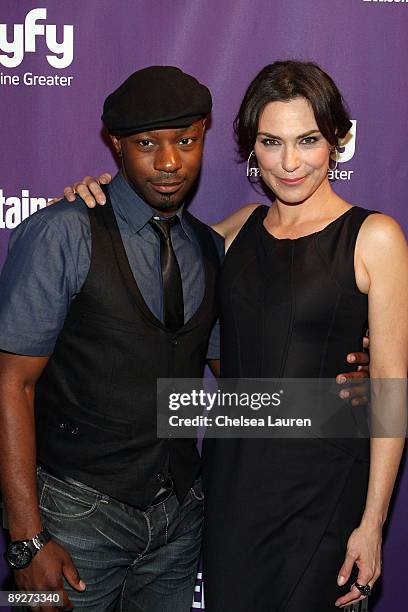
<point>268,135</point>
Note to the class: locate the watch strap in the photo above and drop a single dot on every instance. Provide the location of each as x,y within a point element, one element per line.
<point>39,540</point>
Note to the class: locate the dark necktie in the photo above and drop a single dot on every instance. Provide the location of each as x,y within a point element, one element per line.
<point>173,307</point>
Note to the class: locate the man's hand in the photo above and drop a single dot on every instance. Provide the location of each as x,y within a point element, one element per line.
<point>357,394</point>
<point>47,571</point>
<point>89,190</point>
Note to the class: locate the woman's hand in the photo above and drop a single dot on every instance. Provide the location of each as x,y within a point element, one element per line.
<point>364,550</point>
<point>89,190</point>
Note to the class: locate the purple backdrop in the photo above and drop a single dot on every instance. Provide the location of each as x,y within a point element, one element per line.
<point>51,133</point>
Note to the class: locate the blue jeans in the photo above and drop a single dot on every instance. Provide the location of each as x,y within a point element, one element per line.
<point>130,560</point>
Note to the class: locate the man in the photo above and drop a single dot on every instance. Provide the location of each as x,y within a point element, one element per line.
<point>95,306</point>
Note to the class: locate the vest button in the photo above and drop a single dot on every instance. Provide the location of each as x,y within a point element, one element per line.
<point>161,477</point>
<point>174,341</point>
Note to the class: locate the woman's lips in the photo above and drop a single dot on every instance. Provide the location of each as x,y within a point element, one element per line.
<point>292,182</point>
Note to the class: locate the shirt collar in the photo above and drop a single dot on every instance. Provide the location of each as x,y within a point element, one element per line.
<point>133,210</point>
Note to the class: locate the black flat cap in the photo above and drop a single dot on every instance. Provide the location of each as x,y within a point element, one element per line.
<point>153,98</point>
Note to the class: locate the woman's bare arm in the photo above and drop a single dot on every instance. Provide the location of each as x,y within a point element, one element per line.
<point>382,250</point>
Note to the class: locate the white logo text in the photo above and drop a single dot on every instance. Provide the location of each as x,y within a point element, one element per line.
<point>24,41</point>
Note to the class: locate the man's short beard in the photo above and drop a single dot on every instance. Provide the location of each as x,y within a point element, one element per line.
<point>166,203</point>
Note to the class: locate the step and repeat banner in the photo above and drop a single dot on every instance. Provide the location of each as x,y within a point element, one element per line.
<point>60,58</point>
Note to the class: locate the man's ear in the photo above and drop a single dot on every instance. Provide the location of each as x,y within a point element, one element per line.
<point>204,120</point>
<point>116,144</point>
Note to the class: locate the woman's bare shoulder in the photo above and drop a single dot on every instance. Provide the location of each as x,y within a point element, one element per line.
<point>381,242</point>
<point>381,230</point>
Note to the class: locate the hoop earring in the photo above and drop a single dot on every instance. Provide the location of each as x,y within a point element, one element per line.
<point>335,151</point>
<point>254,171</point>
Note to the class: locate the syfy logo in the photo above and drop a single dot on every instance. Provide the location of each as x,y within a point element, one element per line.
<point>24,41</point>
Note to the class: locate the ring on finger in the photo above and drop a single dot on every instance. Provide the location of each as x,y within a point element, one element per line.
<point>364,589</point>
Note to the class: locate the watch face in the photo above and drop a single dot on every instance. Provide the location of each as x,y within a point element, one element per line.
<point>19,555</point>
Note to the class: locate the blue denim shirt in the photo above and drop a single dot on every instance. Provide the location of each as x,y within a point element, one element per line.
<point>49,258</point>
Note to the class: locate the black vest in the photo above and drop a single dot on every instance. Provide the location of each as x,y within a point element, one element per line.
<point>96,400</point>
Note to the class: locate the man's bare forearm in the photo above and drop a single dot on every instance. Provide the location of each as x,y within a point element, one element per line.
<point>17,462</point>
<point>17,442</point>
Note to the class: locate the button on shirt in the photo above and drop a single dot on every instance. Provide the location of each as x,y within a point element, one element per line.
<point>49,259</point>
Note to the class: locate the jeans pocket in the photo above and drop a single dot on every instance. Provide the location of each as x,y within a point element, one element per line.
<point>65,501</point>
<point>196,490</point>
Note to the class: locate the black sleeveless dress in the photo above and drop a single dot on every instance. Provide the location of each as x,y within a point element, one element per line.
<point>278,512</point>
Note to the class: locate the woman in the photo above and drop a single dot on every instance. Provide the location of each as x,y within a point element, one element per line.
<point>287,520</point>
<point>299,281</point>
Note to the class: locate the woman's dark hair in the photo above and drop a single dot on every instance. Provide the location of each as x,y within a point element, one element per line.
<point>286,80</point>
